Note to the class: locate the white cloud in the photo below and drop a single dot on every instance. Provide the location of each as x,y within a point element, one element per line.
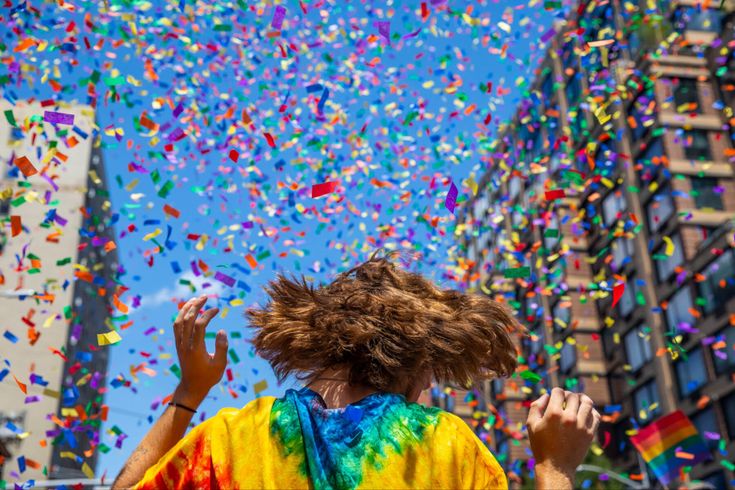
<point>178,291</point>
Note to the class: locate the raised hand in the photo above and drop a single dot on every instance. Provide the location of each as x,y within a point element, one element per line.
<point>200,370</point>
<point>561,428</point>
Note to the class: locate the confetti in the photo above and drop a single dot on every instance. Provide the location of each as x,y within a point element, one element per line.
<point>25,166</point>
<point>58,117</point>
<point>319,190</point>
<point>451,200</point>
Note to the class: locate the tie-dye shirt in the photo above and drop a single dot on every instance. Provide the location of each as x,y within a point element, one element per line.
<point>381,441</point>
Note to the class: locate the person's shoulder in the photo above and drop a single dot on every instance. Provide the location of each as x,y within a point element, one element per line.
<point>255,409</point>
<point>458,430</point>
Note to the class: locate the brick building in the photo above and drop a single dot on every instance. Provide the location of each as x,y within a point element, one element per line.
<point>616,173</point>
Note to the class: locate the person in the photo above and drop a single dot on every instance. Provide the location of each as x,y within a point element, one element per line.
<point>364,346</point>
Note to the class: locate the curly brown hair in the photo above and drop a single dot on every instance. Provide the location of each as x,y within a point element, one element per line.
<point>388,325</point>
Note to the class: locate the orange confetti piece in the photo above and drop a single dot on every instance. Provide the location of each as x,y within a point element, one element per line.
<point>24,44</point>
<point>171,211</point>
<point>110,246</point>
<point>22,386</point>
<point>119,304</point>
<point>251,261</point>
<point>25,166</point>
<point>15,225</point>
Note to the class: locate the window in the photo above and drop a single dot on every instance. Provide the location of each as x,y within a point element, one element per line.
<point>573,90</point>
<point>514,187</point>
<point>622,250</point>
<point>696,145</point>
<point>724,355</point>
<point>691,373</point>
<point>686,93</point>
<point>665,264</point>
<point>697,19</point>
<point>627,301</point>
<point>547,88</point>
<point>638,347</point>
<point>707,193</point>
<point>706,421</point>
<point>728,408</point>
<point>660,208</point>
<point>537,345</point>
<point>552,233</point>
<point>643,112</point>
<point>613,207</point>
<point>651,160</point>
<point>678,315</point>
<point>717,479</point>
<point>568,357</point>
<point>719,284</point>
<point>646,402</point>
<point>562,316</point>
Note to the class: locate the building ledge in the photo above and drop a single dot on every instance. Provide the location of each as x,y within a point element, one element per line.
<point>700,121</point>
<point>707,168</point>
<point>678,60</point>
<point>705,218</point>
<point>691,70</point>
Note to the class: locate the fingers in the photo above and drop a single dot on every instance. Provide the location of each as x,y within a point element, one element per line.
<point>220,350</point>
<point>584,415</point>
<point>200,327</point>
<point>595,422</point>
<point>537,408</point>
<point>189,318</point>
<point>571,403</point>
<point>556,403</point>
<point>179,324</point>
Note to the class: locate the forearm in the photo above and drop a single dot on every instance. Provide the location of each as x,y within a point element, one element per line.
<point>549,478</point>
<point>165,433</point>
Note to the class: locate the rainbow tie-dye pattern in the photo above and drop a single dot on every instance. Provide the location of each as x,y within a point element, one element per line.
<point>381,441</point>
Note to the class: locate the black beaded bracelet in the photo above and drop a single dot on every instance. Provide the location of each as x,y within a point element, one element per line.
<point>174,404</point>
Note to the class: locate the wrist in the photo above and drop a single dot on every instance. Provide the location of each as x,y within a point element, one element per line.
<point>549,475</point>
<point>188,397</point>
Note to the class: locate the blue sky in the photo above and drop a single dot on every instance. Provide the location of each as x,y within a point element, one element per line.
<point>396,126</point>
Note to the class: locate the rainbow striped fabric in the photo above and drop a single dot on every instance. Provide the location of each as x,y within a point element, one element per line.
<point>669,443</point>
<point>381,441</point>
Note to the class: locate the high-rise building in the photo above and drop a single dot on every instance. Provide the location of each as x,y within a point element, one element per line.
<point>605,219</point>
<point>57,269</point>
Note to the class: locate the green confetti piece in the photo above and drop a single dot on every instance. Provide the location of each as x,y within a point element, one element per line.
<point>116,430</point>
<point>67,312</point>
<point>114,81</point>
<point>233,356</point>
<point>176,370</point>
<point>104,448</point>
<point>10,117</point>
<point>223,28</point>
<point>156,176</point>
<point>530,376</point>
<point>262,256</point>
<point>167,187</point>
<point>551,233</point>
<point>517,272</point>
<point>730,466</point>
<point>236,335</point>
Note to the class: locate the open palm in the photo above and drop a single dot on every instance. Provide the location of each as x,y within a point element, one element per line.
<point>200,370</point>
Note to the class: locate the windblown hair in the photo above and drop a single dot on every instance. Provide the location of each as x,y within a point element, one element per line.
<point>388,325</point>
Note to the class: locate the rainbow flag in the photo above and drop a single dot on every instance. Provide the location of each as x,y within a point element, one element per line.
<point>669,443</point>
